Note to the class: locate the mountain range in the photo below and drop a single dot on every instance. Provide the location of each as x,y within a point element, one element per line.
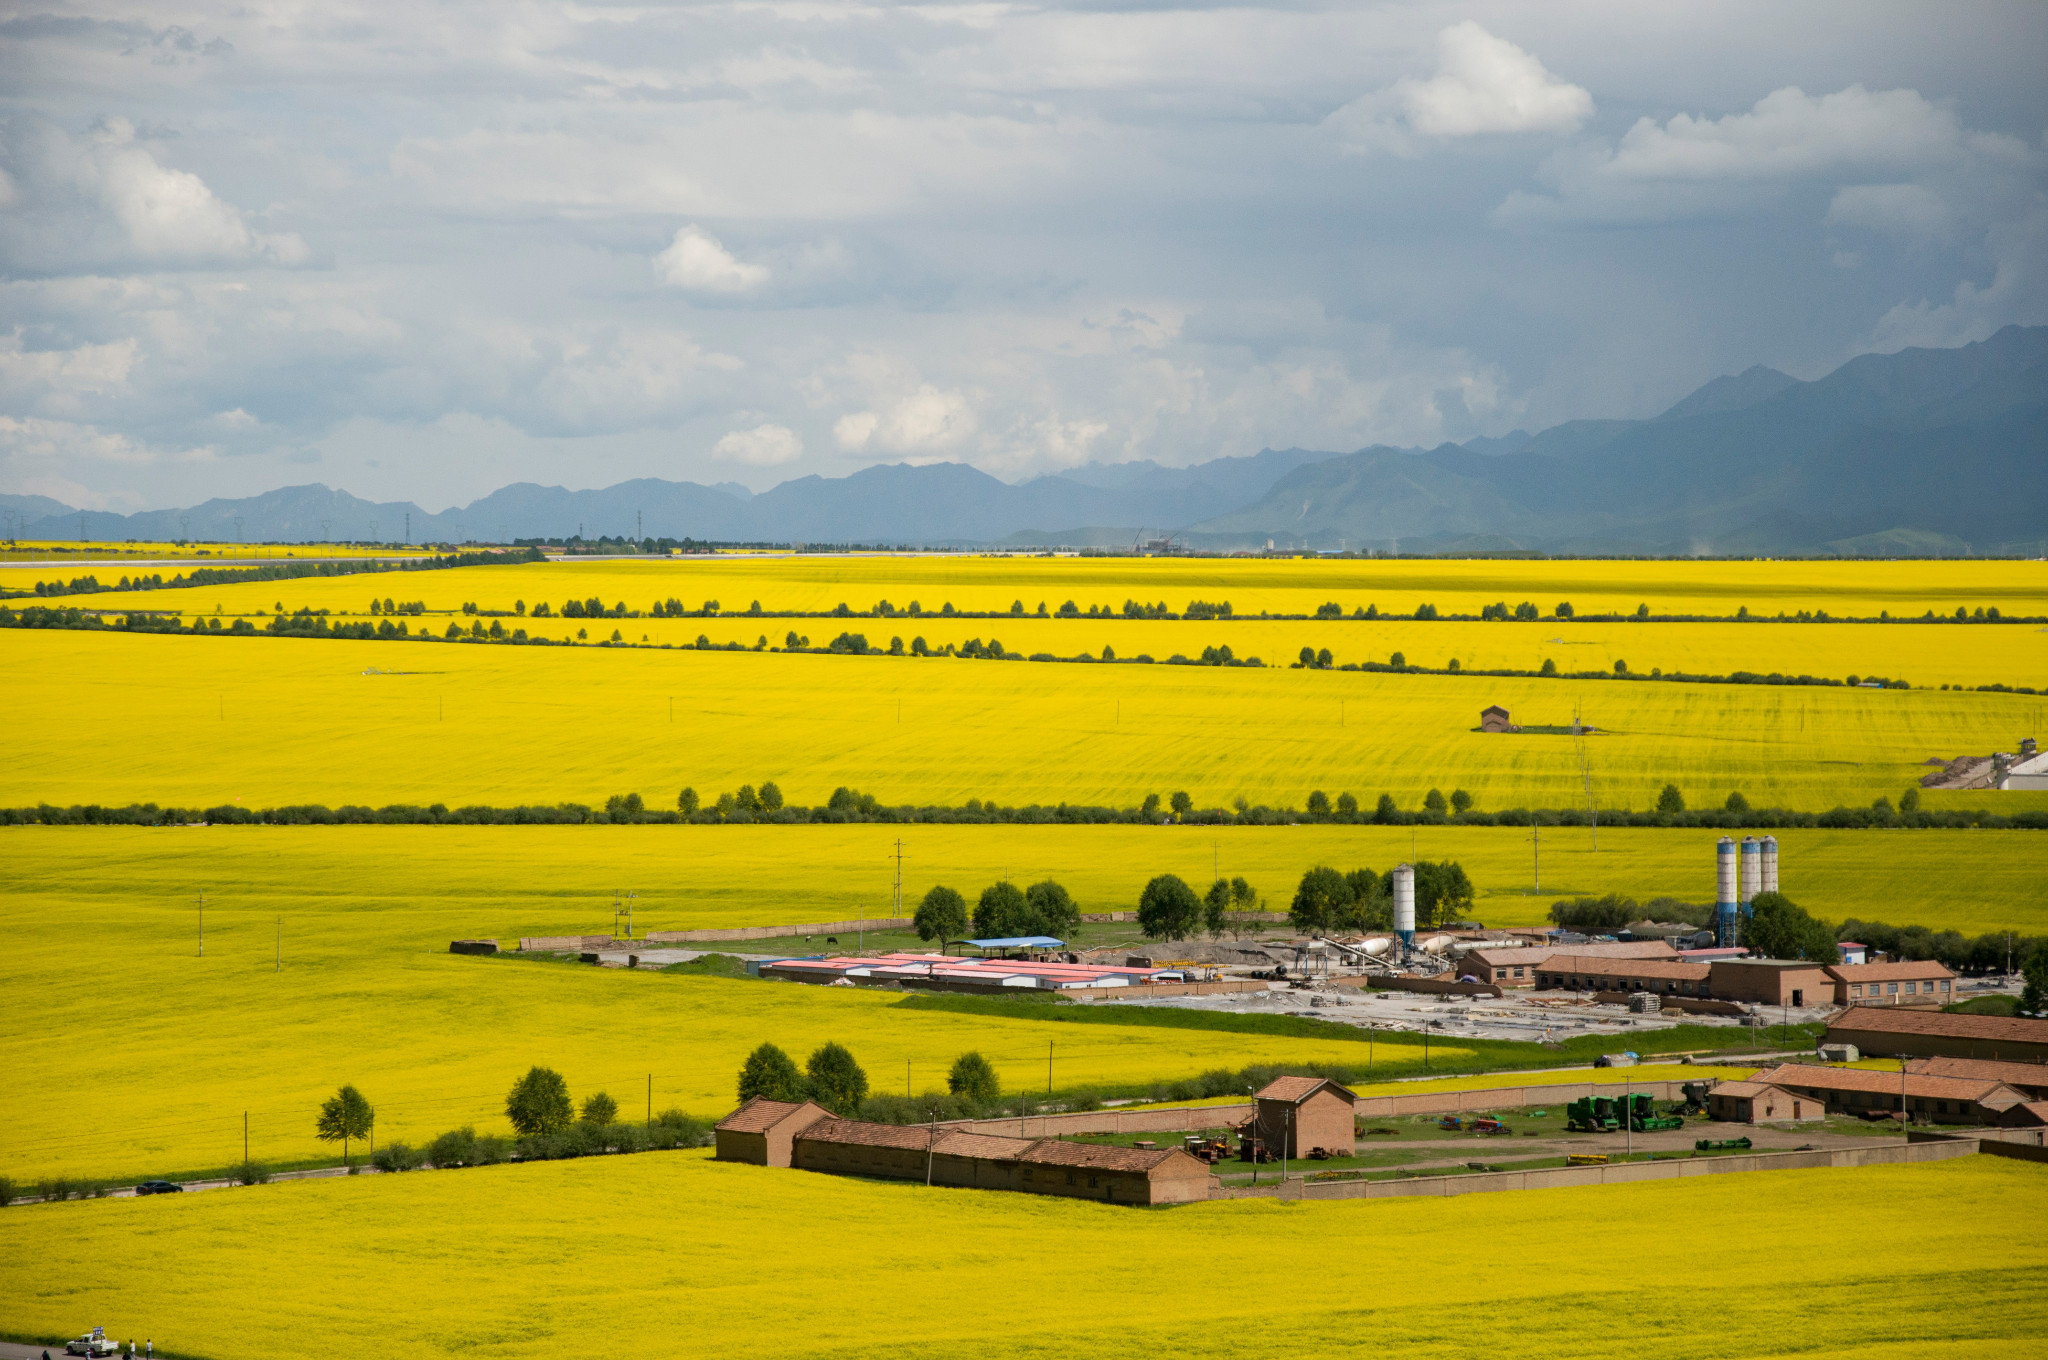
<point>1922,451</point>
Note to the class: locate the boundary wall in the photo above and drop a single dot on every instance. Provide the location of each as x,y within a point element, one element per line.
<point>1487,1182</point>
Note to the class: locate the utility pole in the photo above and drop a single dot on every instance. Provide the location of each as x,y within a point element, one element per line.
<point>898,899</point>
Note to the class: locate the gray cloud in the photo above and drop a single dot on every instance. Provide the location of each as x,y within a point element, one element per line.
<point>423,251</point>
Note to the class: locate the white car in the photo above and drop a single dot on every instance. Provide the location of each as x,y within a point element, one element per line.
<point>94,1342</point>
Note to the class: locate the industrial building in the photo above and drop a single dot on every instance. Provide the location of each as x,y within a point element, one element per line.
<point>1771,982</point>
<point>809,1138</point>
<point>1895,1031</point>
<point>1922,983</point>
<point>1856,1090</point>
<point>1300,1115</point>
<point>1665,976</point>
<point>1518,967</point>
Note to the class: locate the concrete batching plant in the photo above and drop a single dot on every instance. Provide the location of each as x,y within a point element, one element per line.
<point>1740,873</point>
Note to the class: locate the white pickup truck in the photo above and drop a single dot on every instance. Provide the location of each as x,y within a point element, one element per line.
<point>94,1342</point>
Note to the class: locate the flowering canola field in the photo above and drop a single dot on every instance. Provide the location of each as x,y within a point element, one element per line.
<point>678,1254</point>
<point>818,583</point>
<point>203,721</point>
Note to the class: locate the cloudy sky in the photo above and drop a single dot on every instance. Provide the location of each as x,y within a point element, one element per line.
<point>420,250</point>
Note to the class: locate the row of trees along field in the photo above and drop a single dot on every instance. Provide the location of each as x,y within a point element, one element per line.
<point>1329,900</point>
<point>1168,909</point>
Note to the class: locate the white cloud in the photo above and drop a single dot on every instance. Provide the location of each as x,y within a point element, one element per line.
<point>926,421</point>
<point>168,216</point>
<point>695,260</point>
<point>1482,84</point>
<point>1697,166</point>
<point>765,445</point>
<point>2016,294</point>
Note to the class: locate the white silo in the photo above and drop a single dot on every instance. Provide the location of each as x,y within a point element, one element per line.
<point>1752,868</point>
<point>1725,899</point>
<point>1404,905</point>
<point>1770,864</point>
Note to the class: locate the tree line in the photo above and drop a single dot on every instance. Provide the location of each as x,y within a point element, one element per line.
<point>851,805</point>
<point>282,571</point>
<point>1328,900</point>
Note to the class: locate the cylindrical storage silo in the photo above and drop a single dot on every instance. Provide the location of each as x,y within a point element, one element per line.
<point>1404,904</point>
<point>1769,856</point>
<point>1752,868</point>
<point>1725,890</point>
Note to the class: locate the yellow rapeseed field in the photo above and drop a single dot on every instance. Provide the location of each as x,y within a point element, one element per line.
<point>1925,657</point>
<point>1281,586</point>
<point>183,720</point>
<point>673,1253</point>
<point>164,1050</point>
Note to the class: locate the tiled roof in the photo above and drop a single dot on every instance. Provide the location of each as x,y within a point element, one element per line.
<point>1096,1156</point>
<point>757,1116</point>
<point>859,1133</point>
<point>1806,1076</point>
<point>1619,949</point>
<point>1896,1020</point>
<point>1744,1089</point>
<point>1888,972</point>
<point>987,1146</point>
<point>1583,965</point>
<point>1294,1090</point>
<point>2033,1076</point>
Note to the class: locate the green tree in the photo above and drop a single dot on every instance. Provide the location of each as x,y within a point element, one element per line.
<point>1318,804</point>
<point>1308,657</point>
<point>1182,805</point>
<point>2034,994</point>
<point>539,1103</point>
<point>1347,805</point>
<point>771,796</point>
<point>1461,801</point>
<point>1443,893</point>
<point>1242,895</point>
<point>770,1072</point>
<point>942,916</point>
<point>1909,801</point>
<point>686,801</point>
<point>1670,800</point>
<point>973,1079</point>
<point>1168,909</point>
<point>1434,802</point>
<point>1051,910</point>
<point>836,1080</point>
<point>600,1110</point>
<point>1736,802</point>
<point>1216,908</point>
<point>746,799</point>
<point>1000,911</point>
<point>1387,811</point>
<point>1321,898</point>
<point>1151,807</point>
<point>344,1117</point>
<point>1779,928</point>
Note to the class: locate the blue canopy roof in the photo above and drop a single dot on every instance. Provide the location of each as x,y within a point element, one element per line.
<point>1018,942</point>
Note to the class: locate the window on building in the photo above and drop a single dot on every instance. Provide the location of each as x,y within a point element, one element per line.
<point>1518,972</point>
<point>1894,987</point>
<point>1855,989</point>
<point>1944,986</point>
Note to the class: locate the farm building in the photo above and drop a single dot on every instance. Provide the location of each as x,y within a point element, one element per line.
<point>2032,1114</point>
<point>2029,1079</point>
<point>1925,983</point>
<point>1856,1090</point>
<point>1583,973</point>
<point>1494,718</point>
<point>1894,1031</point>
<point>761,1130</point>
<point>1758,1102</point>
<point>808,1138</point>
<point>1301,1114</point>
<point>1771,982</point>
<point>940,972</point>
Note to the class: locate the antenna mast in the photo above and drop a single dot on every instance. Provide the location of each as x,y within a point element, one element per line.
<point>1585,773</point>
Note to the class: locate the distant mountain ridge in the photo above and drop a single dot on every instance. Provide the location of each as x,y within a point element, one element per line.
<point>1925,450</point>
